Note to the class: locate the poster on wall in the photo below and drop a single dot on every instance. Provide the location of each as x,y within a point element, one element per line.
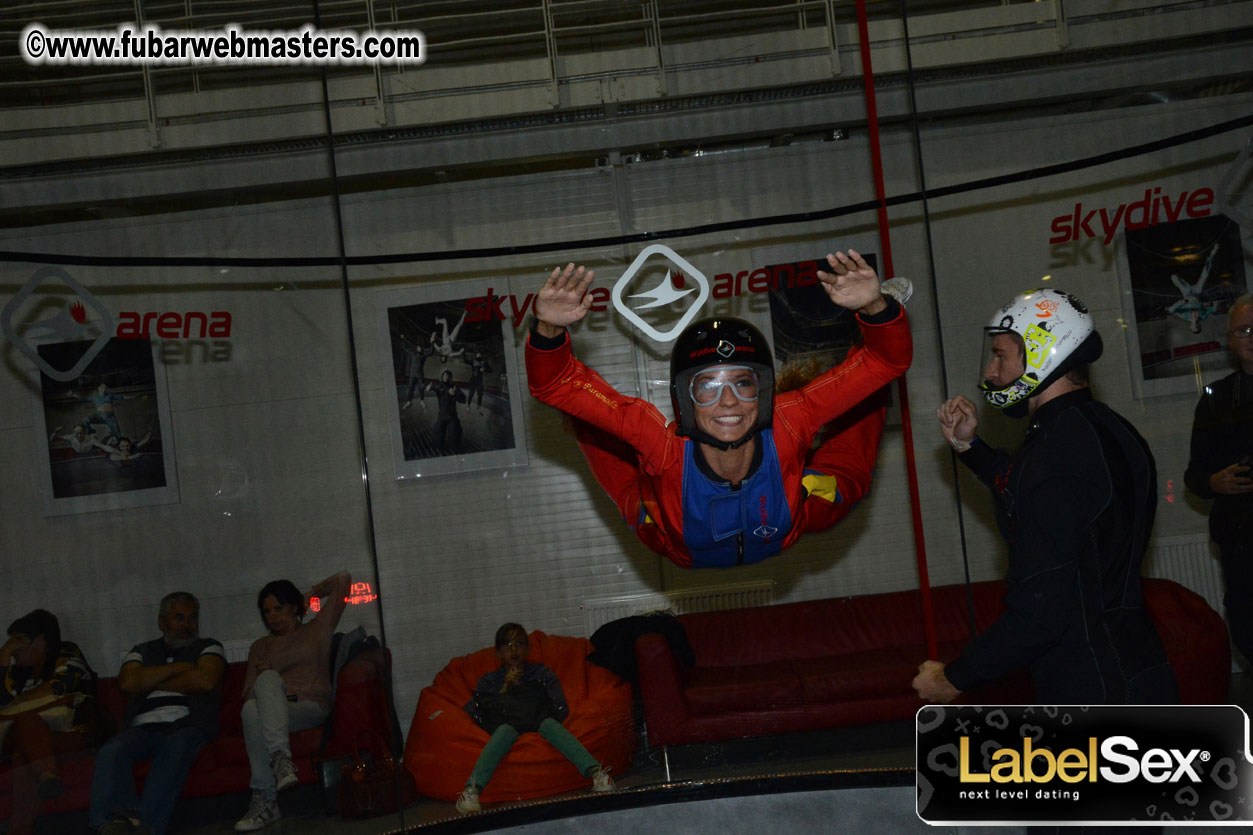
<point>811,333</point>
<point>106,440</point>
<point>454,392</point>
<point>1182,278</point>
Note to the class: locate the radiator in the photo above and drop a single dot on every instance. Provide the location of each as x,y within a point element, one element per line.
<point>1189,562</point>
<point>237,650</point>
<point>600,610</point>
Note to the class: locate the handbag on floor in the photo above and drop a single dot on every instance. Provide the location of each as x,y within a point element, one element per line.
<point>370,786</point>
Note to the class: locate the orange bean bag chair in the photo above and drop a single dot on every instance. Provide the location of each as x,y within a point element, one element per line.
<point>444,742</point>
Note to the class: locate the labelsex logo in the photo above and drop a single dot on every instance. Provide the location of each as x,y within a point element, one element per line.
<point>664,293</point>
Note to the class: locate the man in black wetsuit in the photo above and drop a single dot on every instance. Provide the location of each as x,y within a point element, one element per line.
<point>417,382</point>
<point>478,367</point>
<point>1219,469</point>
<point>447,430</point>
<point>1076,504</point>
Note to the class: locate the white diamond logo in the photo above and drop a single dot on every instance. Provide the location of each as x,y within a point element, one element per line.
<point>666,293</point>
<point>59,326</point>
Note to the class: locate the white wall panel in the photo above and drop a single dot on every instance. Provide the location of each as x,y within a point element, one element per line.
<point>269,466</point>
<point>264,426</point>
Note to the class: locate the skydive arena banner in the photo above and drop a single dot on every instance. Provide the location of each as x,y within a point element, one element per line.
<point>1094,765</point>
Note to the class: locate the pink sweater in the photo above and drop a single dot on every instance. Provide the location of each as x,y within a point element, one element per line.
<point>302,658</point>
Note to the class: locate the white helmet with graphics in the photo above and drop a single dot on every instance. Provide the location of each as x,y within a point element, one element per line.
<point>1056,332</point>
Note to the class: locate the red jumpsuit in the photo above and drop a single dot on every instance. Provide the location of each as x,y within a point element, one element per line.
<point>675,504</point>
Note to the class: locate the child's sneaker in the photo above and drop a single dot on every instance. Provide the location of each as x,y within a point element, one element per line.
<point>601,781</point>
<point>468,800</point>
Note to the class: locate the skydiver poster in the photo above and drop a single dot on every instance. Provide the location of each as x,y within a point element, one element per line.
<point>1183,277</point>
<point>452,384</point>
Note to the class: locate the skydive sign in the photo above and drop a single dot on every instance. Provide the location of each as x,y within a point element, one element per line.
<point>1154,208</point>
<point>659,305</point>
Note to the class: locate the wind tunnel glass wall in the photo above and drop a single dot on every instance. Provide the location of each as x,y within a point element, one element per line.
<point>179,414</point>
<point>1134,202</point>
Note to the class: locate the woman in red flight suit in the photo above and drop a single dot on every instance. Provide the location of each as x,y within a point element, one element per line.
<point>730,482</point>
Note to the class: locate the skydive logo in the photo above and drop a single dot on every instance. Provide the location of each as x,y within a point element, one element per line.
<point>73,323</point>
<point>664,293</point>
<point>723,349</point>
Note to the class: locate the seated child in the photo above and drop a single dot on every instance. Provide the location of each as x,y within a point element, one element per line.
<point>515,699</point>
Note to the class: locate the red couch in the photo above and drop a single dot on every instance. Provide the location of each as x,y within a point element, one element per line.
<point>362,703</point>
<point>849,661</point>
<point>444,742</point>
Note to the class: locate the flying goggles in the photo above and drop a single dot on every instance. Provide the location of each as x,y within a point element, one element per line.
<point>706,386</point>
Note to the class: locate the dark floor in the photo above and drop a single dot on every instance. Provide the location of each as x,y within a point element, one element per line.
<point>873,764</point>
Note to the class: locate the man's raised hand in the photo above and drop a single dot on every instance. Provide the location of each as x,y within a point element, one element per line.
<point>563,300</point>
<point>959,422</point>
<point>852,283</point>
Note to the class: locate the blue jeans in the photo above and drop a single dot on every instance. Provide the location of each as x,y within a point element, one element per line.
<point>172,752</point>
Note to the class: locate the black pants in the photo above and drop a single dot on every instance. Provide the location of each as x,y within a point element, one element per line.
<point>447,432</point>
<point>417,384</point>
<point>1238,600</point>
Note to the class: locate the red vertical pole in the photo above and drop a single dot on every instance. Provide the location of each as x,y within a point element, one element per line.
<point>885,241</point>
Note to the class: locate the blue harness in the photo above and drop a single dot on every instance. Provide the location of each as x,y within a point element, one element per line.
<point>723,526</point>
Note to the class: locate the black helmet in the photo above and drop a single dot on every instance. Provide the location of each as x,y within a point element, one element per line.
<point>446,377</point>
<point>719,341</point>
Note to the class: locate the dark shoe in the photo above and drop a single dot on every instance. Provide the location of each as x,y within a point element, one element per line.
<point>50,786</point>
<point>120,825</point>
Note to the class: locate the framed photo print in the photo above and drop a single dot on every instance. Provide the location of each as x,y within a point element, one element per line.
<point>454,390</point>
<point>1182,278</point>
<point>106,441</point>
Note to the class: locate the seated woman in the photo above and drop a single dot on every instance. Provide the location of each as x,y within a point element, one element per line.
<point>517,698</point>
<point>44,707</point>
<point>287,687</point>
